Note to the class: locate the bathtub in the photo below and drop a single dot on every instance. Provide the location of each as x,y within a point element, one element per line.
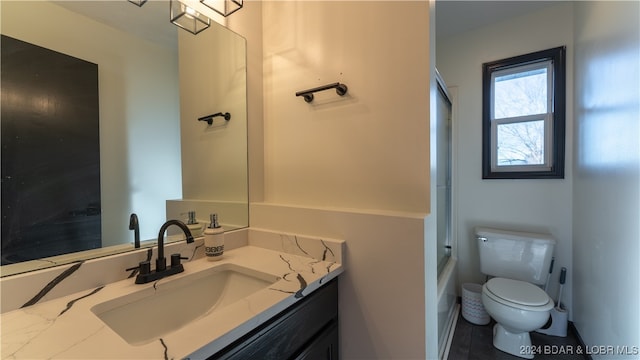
<point>447,306</point>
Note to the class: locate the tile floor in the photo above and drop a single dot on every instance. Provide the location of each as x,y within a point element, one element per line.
<point>475,342</point>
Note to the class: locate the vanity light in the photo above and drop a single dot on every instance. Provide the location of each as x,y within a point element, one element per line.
<point>138,2</point>
<point>188,18</point>
<point>223,7</point>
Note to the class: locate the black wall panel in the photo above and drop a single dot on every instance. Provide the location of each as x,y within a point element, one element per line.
<point>50,153</point>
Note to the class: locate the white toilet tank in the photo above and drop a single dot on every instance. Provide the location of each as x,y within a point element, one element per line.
<point>515,255</point>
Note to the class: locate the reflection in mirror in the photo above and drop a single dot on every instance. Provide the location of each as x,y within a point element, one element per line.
<point>152,148</point>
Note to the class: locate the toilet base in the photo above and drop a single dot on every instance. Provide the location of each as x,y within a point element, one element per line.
<point>518,344</point>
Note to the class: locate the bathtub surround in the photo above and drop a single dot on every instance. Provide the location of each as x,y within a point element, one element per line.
<point>64,327</point>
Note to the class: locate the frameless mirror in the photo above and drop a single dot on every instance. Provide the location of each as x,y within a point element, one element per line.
<point>153,151</point>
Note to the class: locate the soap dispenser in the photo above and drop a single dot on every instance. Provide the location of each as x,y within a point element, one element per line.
<point>194,226</point>
<point>214,239</point>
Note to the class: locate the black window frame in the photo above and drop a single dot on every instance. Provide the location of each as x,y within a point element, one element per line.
<point>557,56</point>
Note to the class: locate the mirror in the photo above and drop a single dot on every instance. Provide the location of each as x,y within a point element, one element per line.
<point>155,80</point>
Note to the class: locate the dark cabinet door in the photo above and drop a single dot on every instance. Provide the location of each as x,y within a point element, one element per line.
<point>324,347</point>
<point>289,334</point>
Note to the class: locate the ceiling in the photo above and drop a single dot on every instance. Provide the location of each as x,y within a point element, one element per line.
<point>150,22</point>
<point>455,17</point>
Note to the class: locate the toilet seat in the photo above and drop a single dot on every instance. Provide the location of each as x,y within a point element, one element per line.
<point>518,294</point>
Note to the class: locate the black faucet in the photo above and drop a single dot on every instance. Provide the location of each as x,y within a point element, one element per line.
<point>135,226</point>
<point>146,274</point>
<point>161,263</point>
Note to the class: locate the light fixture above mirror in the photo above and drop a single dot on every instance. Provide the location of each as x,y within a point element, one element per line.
<point>190,14</point>
<point>223,7</point>
<point>138,2</point>
<point>187,18</point>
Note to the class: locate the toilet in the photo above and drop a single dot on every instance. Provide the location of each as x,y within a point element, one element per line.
<point>517,263</point>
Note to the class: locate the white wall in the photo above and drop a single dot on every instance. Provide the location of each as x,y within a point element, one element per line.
<point>248,23</point>
<point>212,80</point>
<point>354,167</point>
<point>606,193</point>
<point>370,148</point>
<point>131,130</point>
<point>381,292</point>
<point>531,205</point>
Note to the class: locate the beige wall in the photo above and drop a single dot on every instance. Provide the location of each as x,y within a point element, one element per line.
<point>139,110</point>
<point>248,23</point>
<point>382,292</point>
<point>213,80</point>
<point>370,148</point>
<point>353,167</point>
<point>530,205</point>
<point>606,191</point>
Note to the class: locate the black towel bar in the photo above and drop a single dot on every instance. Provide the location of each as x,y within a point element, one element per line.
<point>341,89</point>
<point>209,118</point>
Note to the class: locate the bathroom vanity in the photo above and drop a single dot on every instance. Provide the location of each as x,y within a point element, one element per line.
<point>273,294</point>
<point>307,330</point>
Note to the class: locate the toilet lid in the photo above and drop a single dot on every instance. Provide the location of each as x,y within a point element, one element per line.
<point>518,292</point>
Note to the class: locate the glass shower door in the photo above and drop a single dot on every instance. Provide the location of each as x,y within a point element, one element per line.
<point>443,170</point>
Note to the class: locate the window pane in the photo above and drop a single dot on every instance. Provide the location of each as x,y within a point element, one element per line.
<point>521,143</point>
<point>523,116</point>
<point>520,94</point>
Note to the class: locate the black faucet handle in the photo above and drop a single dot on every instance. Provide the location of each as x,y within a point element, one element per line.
<point>144,267</point>
<point>175,259</point>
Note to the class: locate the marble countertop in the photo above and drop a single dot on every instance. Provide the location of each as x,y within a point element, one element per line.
<point>66,328</point>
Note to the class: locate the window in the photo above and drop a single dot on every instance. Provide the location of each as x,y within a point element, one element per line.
<point>523,123</point>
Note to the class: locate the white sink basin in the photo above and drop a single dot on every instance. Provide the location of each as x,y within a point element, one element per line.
<point>151,313</point>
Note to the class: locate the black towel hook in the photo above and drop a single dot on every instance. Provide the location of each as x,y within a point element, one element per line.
<point>209,118</point>
<point>341,89</point>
